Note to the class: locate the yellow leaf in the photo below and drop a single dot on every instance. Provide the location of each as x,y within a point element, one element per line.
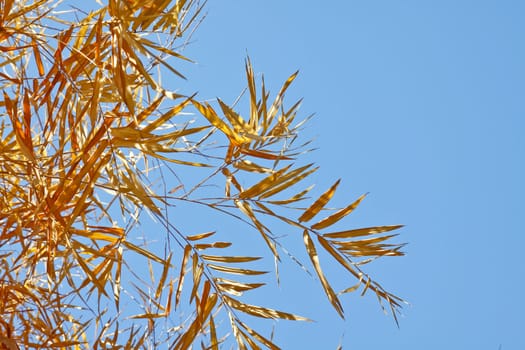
<point>168,115</point>
<point>143,252</point>
<point>319,204</point>
<point>289,180</point>
<point>247,165</point>
<point>361,231</point>
<point>236,270</point>
<point>263,154</point>
<point>264,184</point>
<point>298,197</point>
<point>163,277</point>
<point>38,59</point>
<point>213,335</point>
<point>332,219</point>
<point>259,337</point>
<point>208,112</point>
<point>229,259</point>
<point>312,252</point>
<point>203,246</point>
<point>234,287</point>
<point>197,269</point>
<point>239,125</point>
<point>186,256</point>
<point>200,236</point>
<point>148,315</point>
<point>262,312</point>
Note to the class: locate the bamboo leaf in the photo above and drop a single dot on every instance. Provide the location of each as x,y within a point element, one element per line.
<point>259,337</point>
<point>200,236</point>
<point>203,246</point>
<point>319,204</point>
<point>236,288</point>
<point>361,231</point>
<point>262,312</point>
<point>182,273</point>
<point>163,277</point>
<point>236,270</point>
<point>332,219</point>
<point>264,184</point>
<point>312,253</point>
<point>197,269</point>
<point>229,259</point>
<point>143,252</point>
<point>263,154</point>
<point>208,112</point>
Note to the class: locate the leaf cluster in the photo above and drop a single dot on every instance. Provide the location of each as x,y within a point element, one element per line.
<point>90,139</point>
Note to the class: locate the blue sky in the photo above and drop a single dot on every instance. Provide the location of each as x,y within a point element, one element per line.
<point>421,103</point>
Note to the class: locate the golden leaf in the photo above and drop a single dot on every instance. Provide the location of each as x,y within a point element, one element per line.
<point>143,252</point>
<point>361,231</point>
<point>229,259</point>
<point>186,256</point>
<point>260,311</point>
<point>259,337</point>
<point>332,219</point>
<point>236,270</point>
<point>163,276</point>
<point>200,236</point>
<point>312,252</point>
<point>264,184</point>
<point>319,204</point>
<point>208,112</point>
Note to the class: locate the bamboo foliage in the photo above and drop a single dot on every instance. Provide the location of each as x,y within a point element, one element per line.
<point>90,141</point>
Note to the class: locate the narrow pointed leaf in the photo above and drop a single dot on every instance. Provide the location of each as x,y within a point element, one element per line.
<point>361,231</point>
<point>332,219</point>
<point>312,252</point>
<point>260,311</point>
<point>319,204</point>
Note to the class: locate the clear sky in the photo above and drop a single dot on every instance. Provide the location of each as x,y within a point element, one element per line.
<point>422,104</point>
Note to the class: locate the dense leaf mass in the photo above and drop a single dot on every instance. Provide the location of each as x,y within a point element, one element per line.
<point>91,145</point>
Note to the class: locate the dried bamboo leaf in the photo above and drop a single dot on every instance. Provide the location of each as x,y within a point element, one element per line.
<point>319,204</point>
<point>197,269</point>
<point>203,246</point>
<point>200,236</point>
<point>332,219</point>
<point>289,180</point>
<point>182,273</point>
<point>263,154</point>
<point>143,252</point>
<point>208,112</point>
<point>168,115</point>
<point>236,288</point>
<point>213,335</point>
<point>264,184</point>
<point>238,123</point>
<point>247,165</point>
<point>312,253</point>
<point>298,197</point>
<point>235,270</point>
<point>259,337</point>
<point>361,231</point>
<point>229,259</point>
<point>163,276</point>
<point>260,311</point>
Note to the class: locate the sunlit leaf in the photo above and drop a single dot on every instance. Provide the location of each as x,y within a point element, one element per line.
<point>319,204</point>
<point>263,312</point>
<point>361,231</point>
<point>332,219</point>
<point>312,253</point>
